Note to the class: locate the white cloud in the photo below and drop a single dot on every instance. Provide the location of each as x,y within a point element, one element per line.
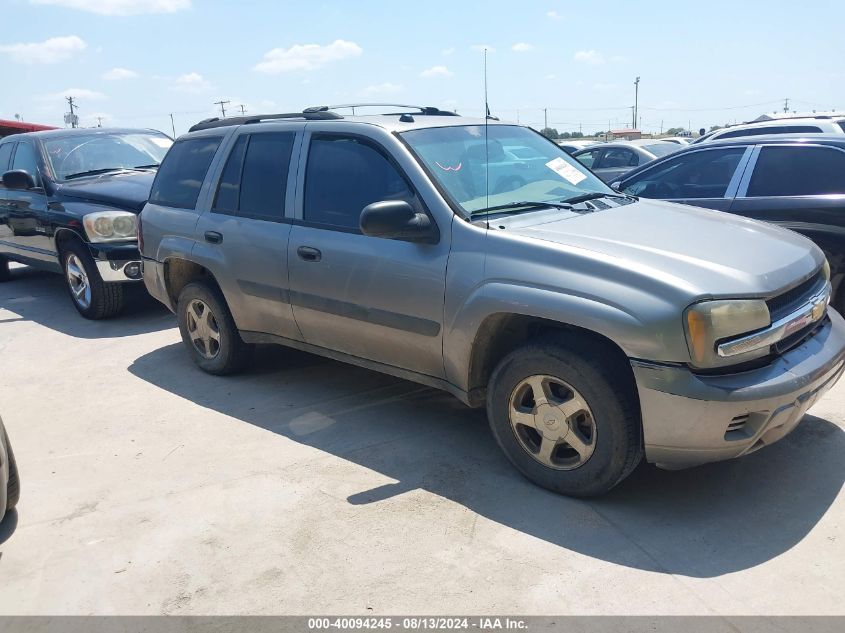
<point>522,47</point>
<point>447,51</point>
<point>382,89</point>
<point>55,49</point>
<point>83,94</point>
<point>554,15</point>
<point>116,74</point>
<point>481,47</point>
<point>306,56</point>
<point>191,82</point>
<point>436,71</point>
<point>120,7</point>
<point>589,57</point>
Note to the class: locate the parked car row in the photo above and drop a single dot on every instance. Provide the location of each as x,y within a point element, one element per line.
<point>597,327</point>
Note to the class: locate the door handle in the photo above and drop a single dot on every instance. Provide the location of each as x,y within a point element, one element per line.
<point>213,237</point>
<point>309,254</point>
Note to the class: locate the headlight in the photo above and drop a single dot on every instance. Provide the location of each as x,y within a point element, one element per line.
<point>711,321</point>
<point>110,226</point>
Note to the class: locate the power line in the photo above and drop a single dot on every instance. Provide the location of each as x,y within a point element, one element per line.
<point>222,105</point>
<point>243,109</point>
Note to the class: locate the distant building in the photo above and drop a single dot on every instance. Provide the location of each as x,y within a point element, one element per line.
<point>628,134</point>
<point>16,127</point>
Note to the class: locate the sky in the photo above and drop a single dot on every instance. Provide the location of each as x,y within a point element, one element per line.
<point>135,62</point>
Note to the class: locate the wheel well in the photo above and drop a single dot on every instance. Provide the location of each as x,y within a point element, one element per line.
<point>64,237</point>
<point>178,273</point>
<point>500,334</point>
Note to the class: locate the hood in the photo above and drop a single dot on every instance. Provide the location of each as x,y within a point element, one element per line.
<point>709,253</point>
<point>125,190</point>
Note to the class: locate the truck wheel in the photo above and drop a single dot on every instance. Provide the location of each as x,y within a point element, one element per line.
<point>568,420</point>
<point>5,275</point>
<point>209,332</point>
<point>13,489</point>
<point>93,297</point>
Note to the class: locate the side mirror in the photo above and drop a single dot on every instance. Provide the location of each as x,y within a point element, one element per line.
<point>615,185</point>
<point>397,220</point>
<point>18,179</point>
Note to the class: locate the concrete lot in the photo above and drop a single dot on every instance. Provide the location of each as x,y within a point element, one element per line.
<point>307,486</point>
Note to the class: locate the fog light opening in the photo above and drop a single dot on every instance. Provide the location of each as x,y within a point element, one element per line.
<point>133,270</point>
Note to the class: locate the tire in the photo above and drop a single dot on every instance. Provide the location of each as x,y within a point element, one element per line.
<point>5,274</point>
<point>13,489</point>
<point>570,373</point>
<point>208,331</point>
<point>92,297</point>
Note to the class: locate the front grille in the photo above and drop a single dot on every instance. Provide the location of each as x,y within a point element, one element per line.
<point>788,301</point>
<point>793,340</point>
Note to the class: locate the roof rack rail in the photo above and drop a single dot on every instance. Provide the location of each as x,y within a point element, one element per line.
<point>425,110</point>
<point>214,122</point>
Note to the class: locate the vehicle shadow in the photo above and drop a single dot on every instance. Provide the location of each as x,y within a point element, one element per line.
<point>8,525</point>
<point>702,522</point>
<point>41,297</point>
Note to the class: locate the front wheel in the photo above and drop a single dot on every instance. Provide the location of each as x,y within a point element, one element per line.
<point>566,417</point>
<point>92,297</point>
<point>209,332</point>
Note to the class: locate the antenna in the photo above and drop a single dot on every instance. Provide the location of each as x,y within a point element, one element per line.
<point>486,142</point>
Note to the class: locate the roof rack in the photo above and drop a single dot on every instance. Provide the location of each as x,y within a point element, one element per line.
<point>425,110</point>
<point>308,114</point>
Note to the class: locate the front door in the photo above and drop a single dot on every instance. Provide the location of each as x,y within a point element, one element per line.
<point>374,298</point>
<point>26,211</point>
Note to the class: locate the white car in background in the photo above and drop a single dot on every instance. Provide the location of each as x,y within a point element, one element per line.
<point>827,124</point>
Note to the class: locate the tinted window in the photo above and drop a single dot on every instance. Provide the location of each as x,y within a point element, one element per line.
<point>182,171</point>
<point>25,159</point>
<point>780,129</point>
<point>228,190</point>
<point>798,171</point>
<point>615,157</point>
<point>842,125</point>
<point>701,174</point>
<point>343,176</point>
<point>265,175</point>
<point>588,158</point>
<point>5,155</point>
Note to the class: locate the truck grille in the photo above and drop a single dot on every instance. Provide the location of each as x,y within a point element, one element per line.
<point>786,302</point>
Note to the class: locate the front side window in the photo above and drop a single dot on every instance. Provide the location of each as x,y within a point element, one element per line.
<point>691,175</point>
<point>254,180</point>
<point>478,171</point>
<point>798,171</point>
<point>78,155</point>
<point>182,172</point>
<point>5,155</point>
<point>25,159</point>
<point>615,157</point>
<point>588,159</point>
<point>344,175</point>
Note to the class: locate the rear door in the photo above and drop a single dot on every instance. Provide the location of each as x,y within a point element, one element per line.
<point>373,298</point>
<point>706,177</point>
<point>243,237</point>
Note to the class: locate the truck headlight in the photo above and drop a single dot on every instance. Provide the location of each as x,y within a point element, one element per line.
<point>711,321</point>
<point>110,226</point>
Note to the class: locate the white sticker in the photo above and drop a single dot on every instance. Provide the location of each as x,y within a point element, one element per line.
<point>565,170</point>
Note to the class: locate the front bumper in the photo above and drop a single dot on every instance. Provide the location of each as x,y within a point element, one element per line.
<point>690,419</point>
<point>117,262</point>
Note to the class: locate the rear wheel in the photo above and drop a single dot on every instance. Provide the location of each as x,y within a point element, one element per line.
<point>208,330</point>
<point>92,297</point>
<point>566,416</point>
<point>13,489</point>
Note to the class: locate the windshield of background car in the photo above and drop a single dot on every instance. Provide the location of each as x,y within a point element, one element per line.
<point>516,165</point>
<point>82,153</point>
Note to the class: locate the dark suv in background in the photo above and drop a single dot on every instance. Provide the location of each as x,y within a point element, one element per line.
<point>797,182</point>
<point>69,201</point>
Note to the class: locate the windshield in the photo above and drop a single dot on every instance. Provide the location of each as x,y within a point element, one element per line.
<point>517,164</point>
<point>662,149</point>
<point>80,154</point>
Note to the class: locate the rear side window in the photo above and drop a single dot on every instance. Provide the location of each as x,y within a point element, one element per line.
<point>182,172</point>
<point>5,155</point>
<point>618,158</point>
<point>798,171</point>
<point>255,179</point>
<point>343,176</point>
<point>779,129</point>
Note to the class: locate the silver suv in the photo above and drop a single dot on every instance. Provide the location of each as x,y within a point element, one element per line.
<point>480,258</point>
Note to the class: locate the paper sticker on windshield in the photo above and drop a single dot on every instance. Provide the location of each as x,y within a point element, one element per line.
<point>566,171</point>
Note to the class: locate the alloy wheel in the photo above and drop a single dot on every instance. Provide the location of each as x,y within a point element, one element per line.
<point>203,329</point>
<point>77,278</point>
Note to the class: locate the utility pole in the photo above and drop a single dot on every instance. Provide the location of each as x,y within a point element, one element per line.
<point>545,118</point>
<point>661,127</point>
<point>636,100</point>
<point>786,105</point>
<point>99,121</point>
<point>72,105</point>
<point>222,105</point>
<point>243,110</point>
<point>172,125</point>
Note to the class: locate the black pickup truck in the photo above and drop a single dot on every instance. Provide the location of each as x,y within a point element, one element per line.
<point>69,203</point>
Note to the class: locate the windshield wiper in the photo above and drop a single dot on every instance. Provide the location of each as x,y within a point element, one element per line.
<point>153,166</point>
<point>524,205</point>
<point>94,172</point>
<point>593,195</point>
